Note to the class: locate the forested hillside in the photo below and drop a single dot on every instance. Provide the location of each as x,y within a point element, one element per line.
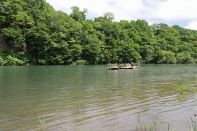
<point>33,33</point>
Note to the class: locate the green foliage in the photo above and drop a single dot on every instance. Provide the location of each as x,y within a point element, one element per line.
<point>45,36</point>
<point>91,53</point>
<point>77,14</point>
<point>81,62</point>
<point>184,57</point>
<point>128,53</point>
<point>10,60</point>
<point>2,61</point>
<point>147,53</point>
<point>14,38</point>
<point>166,57</point>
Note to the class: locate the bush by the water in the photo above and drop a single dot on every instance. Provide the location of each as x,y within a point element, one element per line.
<point>81,62</point>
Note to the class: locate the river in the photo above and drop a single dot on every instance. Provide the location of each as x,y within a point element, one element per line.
<point>91,98</point>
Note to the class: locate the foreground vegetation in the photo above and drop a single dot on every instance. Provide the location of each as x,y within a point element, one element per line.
<point>32,32</point>
<point>155,124</point>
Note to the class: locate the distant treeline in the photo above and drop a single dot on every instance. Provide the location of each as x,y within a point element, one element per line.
<point>33,33</point>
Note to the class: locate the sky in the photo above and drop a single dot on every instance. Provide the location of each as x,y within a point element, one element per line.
<point>171,12</point>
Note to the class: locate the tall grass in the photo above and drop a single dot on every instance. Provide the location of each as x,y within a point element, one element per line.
<point>42,123</point>
<point>142,126</point>
<point>155,124</point>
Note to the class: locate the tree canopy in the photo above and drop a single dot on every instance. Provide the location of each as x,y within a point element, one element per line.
<point>32,32</point>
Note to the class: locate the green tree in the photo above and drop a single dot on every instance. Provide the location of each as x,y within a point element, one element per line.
<point>184,58</point>
<point>77,14</point>
<point>32,32</point>
<point>165,57</point>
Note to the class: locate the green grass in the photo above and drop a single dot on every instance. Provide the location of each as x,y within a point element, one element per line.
<point>142,126</point>
<point>183,88</point>
<point>42,123</point>
<point>151,126</point>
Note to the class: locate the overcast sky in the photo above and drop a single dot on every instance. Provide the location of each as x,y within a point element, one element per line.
<point>171,12</point>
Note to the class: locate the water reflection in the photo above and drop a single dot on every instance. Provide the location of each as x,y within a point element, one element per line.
<point>93,98</point>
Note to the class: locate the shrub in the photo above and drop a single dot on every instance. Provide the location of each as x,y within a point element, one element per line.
<point>2,61</point>
<point>184,57</point>
<point>10,60</point>
<point>81,62</point>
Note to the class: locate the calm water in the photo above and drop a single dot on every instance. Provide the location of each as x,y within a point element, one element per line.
<point>91,98</point>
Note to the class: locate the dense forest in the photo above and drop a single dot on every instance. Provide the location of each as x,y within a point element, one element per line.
<point>33,33</point>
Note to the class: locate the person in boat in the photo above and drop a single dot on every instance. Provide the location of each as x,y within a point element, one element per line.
<point>108,65</point>
<point>112,65</point>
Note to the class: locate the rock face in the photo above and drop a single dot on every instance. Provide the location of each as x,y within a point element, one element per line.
<point>16,48</point>
<point>2,43</point>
